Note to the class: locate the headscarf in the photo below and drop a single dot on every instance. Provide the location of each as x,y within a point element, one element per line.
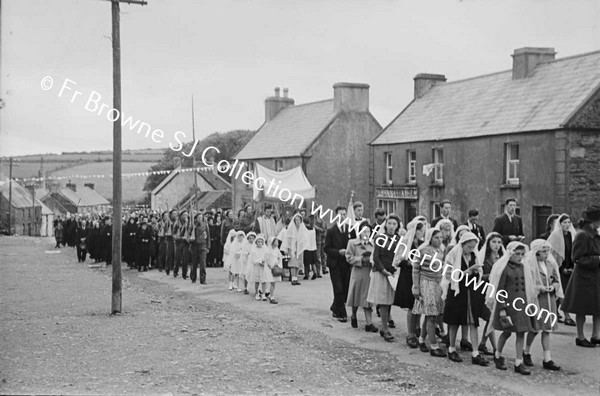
<point>409,238</point>
<point>428,236</point>
<point>231,236</point>
<point>482,252</point>
<point>454,258</point>
<point>295,238</point>
<point>237,246</point>
<point>274,254</point>
<point>457,231</point>
<point>496,274</point>
<point>557,239</point>
<point>530,261</point>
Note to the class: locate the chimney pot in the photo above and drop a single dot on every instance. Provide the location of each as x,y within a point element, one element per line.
<point>274,104</point>
<point>526,59</point>
<point>277,92</point>
<point>90,185</point>
<point>72,186</point>
<point>285,92</point>
<point>424,82</point>
<point>350,97</point>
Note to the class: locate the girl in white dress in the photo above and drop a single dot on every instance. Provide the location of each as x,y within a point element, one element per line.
<point>246,267</point>
<point>274,259</point>
<point>258,262</point>
<point>294,243</point>
<point>235,258</point>
<point>227,257</point>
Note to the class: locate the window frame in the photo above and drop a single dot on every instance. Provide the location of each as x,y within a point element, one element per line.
<point>388,163</point>
<point>511,164</point>
<point>411,166</point>
<point>278,165</point>
<point>438,171</point>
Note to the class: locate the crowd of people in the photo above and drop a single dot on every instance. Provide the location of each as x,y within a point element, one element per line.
<point>559,271</point>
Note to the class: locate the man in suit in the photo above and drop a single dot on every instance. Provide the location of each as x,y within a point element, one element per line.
<point>446,208</point>
<point>509,225</point>
<point>336,241</point>
<point>474,226</point>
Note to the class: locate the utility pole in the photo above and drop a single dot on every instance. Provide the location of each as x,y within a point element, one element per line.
<point>117,183</point>
<point>10,195</point>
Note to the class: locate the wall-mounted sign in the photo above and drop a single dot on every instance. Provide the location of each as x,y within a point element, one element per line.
<point>397,193</point>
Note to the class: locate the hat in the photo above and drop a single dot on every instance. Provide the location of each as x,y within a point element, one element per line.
<point>592,213</point>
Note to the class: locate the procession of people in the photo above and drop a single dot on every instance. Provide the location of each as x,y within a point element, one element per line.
<point>559,272</point>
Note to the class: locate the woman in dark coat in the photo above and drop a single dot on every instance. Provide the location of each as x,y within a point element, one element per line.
<point>129,244</point>
<point>583,292</point>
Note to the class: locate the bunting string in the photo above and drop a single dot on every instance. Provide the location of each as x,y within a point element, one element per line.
<point>123,176</point>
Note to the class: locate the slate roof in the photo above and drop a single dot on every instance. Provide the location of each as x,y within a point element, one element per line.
<point>496,104</point>
<point>291,132</point>
<point>21,197</point>
<point>84,196</point>
<point>208,199</point>
<point>216,181</point>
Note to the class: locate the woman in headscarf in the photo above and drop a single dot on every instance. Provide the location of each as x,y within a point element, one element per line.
<point>129,244</point>
<point>583,292</point>
<point>463,303</point>
<point>380,289</point>
<point>227,257</point>
<point>427,291</point>
<point>510,276</point>
<point>489,253</point>
<point>550,222</point>
<point>403,296</point>
<point>546,276</point>
<point>258,262</point>
<point>358,255</point>
<point>561,240</point>
<point>295,241</point>
<point>447,228</point>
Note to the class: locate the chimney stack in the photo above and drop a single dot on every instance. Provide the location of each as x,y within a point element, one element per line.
<point>72,186</point>
<point>274,104</point>
<point>350,97</point>
<point>526,59</point>
<point>424,82</point>
<point>90,185</point>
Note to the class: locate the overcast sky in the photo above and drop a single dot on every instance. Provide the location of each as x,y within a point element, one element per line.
<point>231,54</point>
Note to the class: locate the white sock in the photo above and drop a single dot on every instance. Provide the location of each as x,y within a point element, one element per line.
<point>421,340</point>
<point>518,361</point>
<point>294,278</point>
<point>526,350</point>
<point>451,349</point>
<point>497,355</point>
<point>475,353</point>
<point>547,356</point>
<point>434,346</point>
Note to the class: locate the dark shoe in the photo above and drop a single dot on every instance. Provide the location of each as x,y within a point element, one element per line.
<point>305,277</point>
<point>370,328</point>
<point>466,346</point>
<point>527,359</point>
<point>500,363</point>
<point>354,323</point>
<point>391,324</point>
<point>521,369</point>
<point>386,335</point>
<point>550,366</point>
<point>454,357</point>
<point>423,347</point>
<point>325,272</point>
<point>438,352</point>
<point>343,320</point>
<point>412,342</point>
<point>319,276</point>
<point>314,277</point>
<point>203,282</point>
<point>595,341</point>
<point>246,291</point>
<point>184,277</point>
<point>584,343</point>
<point>483,349</point>
<point>174,275</point>
<point>167,272</point>
<point>193,281</point>
<point>570,322</point>
<point>479,360</point>
<point>295,283</point>
<point>300,272</point>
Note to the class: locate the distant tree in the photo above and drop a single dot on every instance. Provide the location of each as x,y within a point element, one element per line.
<point>229,144</point>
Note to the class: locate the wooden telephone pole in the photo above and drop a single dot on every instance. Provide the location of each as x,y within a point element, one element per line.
<point>117,185</point>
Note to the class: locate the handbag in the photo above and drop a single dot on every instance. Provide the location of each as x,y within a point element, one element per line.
<point>277,271</point>
<point>505,322</point>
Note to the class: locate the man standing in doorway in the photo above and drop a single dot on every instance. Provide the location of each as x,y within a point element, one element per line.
<point>509,225</point>
<point>474,226</point>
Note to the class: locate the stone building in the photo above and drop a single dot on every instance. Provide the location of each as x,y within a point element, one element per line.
<point>532,132</point>
<point>179,189</point>
<point>327,139</point>
<point>25,210</point>
<point>73,199</point>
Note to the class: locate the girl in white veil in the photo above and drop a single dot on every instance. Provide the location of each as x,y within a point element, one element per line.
<point>235,259</point>
<point>295,241</point>
<point>227,258</point>
<point>561,240</point>
<point>545,273</point>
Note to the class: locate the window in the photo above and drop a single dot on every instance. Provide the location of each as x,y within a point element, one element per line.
<point>517,211</point>
<point>388,168</point>
<point>278,165</point>
<point>438,170</point>
<point>512,163</point>
<point>412,166</point>
<point>435,210</point>
<point>389,205</point>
